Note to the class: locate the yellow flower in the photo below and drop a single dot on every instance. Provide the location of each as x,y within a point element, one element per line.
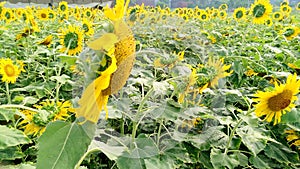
<point>239,14</point>
<point>118,11</point>
<point>285,9</point>
<point>120,47</point>
<point>9,71</point>
<point>269,21</point>
<point>297,6</point>
<point>24,33</point>
<point>250,73</point>
<point>87,27</point>
<point>277,16</point>
<point>42,14</point>
<point>47,41</point>
<point>71,40</point>
<point>191,81</point>
<point>260,10</point>
<point>63,7</point>
<point>219,70</point>
<point>222,15</point>
<point>290,32</point>
<point>293,137</point>
<point>272,104</point>
<point>34,122</point>
<point>204,16</point>
<point>223,7</point>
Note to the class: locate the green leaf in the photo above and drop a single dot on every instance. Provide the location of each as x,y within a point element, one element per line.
<point>20,166</point>
<point>70,60</point>
<point>11,137</point>
<point>11,153</point>
<point>281,153</point>
<point>61,79</point>
<point>258,162</point>
<point>220,160</point>
<point>63,144</point>
<point>253,138</point>
<point>159,162</point>
<point>127,162</point>
<point>7,114</point>
<point>111,151</point>
<point>212,137</point>
<point>292,116</point>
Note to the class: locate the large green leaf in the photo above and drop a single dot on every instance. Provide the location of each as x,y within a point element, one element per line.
<point>253,138</point>
<point>258,162</point>
<point>281,153</point>
<point>63,144</point>
<point>220,160</point>
<point>7,114</point>
<point>159,162</point>
<point>11,153</point>
<point>212,137</point>
<point>11,137</point>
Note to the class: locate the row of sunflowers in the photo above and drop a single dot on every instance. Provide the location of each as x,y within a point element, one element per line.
<point>205,88</point>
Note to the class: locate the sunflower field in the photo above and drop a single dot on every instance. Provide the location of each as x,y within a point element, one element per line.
<point>134,86</point>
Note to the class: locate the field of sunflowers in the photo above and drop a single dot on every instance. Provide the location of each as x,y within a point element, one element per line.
<point>150,87</point>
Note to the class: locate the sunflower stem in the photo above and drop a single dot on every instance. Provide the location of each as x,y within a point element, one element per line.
<point>17,106</point>
<point>7,93</point>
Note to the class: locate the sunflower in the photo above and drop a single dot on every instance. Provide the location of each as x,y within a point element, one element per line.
<point>297,6</point>
<point>190,83</point>
<point>218,70</point>
<point>63,7</point>
<point>290,32</point>
<point>7,15</point>
<point>204,16</point>
<point>272,104</point>
<point>47,41</point>
<point>285,2</point>
<point>34,122</point>
<point>88,13</point>
<point>223,7</point>
<point>222,15</point>
<point>268,21</point>
<point>239,14</point>
<point>87,27</point>
<point>26,32</point>
<point>43,14</point>
<point>260,10</point>
<point>285,9</point>
<point>277,16</point>
<point>51,14</point>
<point>10,71</point>
<point>120,48</point>
<point>293,137</point>
<point>71,40</point>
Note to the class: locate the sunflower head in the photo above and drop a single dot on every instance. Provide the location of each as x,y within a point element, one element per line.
<point>239,13</point>
<point>87,27</point>
<point>204,16</point>
<point>297,6</point>
<point>277,16</point>
<point>260,10</point>
<point>47,41</point>
<point>71,40</point>
<point>285,9</point>
<point>10,71</point>
<point>272,104</point>
<point>223,7</point>
<point>290,32</point>
<point>63,6</point>
<point>43,14</point>
<point>268,21</point>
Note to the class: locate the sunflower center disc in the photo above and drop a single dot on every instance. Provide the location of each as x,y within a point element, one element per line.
<point>259,10</point>
<point>239,14</point>
<point>280,101</point>
<point>44,15</point>
<point>9,70</point>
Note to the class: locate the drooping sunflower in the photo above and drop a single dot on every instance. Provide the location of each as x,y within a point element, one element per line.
<point>272,104</point>
<point>260,10</point>
<point>290,32</point>
<point>214,69</point>
<point>277,16</point>
<point>120,47</point>
<point>87,27</point>
<point>26,32</point>
<point>47,41</point>
<point>239,14</point>
<point>191,82</point>
<point>43,14</point>
<point>63,7</point>
<point>34,122</point>
<point>10,71</point>
<point>293,137</point>
<point>71,40</point>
